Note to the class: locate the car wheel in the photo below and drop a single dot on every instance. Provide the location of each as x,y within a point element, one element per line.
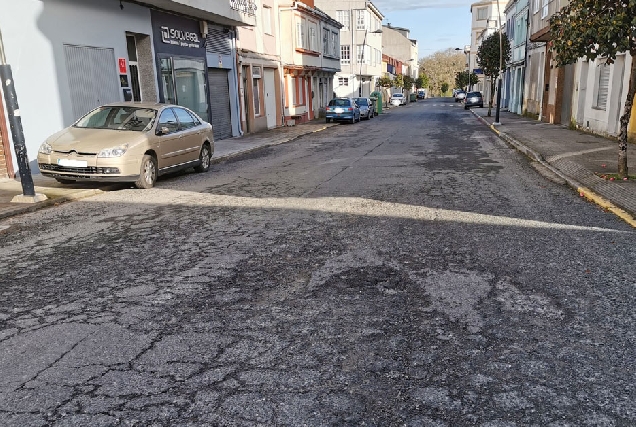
<point>353,119</point>
<point>65,181</point>
<point>204,159</point>
<point>147,172</point>
<point>328,120</point>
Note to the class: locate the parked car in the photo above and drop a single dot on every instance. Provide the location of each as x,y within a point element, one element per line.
<point>367,107</point>
<point>398,99</point>
<point>473,99</point>
<point>460,95</point>
<point>342,110</point>
<point>421,94</point>
<point>128,143</point>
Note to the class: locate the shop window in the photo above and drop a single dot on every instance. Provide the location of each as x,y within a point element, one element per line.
<point>184,83</point>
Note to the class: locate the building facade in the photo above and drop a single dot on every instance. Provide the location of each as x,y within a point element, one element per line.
<point>70,56</point>
<point>261,84</point>
<point>310,59</point>
<point>487,17</point>
<point>360,45</point>
<point>516,29</point>
<point>398,46</point>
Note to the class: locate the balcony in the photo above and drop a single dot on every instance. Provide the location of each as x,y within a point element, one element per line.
<point>234,13</point>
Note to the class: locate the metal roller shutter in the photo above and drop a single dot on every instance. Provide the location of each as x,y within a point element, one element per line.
<point>92,77</point>
<point>220,103</point>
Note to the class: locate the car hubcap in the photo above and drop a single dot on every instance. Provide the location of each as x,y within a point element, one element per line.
<point>149,172</point>
<point>205,161</point>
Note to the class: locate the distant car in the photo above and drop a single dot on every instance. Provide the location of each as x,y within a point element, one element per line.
<point>367,108</point>
<point>460,95</point>
<point>421,94</point>
<point>128,143</point>
<point>398,99</point>
<point>342,110</point>
<point>473,99</point>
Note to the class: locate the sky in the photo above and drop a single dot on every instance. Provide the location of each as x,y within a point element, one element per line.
<point>435,24</point>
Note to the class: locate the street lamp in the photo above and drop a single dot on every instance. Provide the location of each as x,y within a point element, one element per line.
<point>364,43</point>
<point>468,73</point>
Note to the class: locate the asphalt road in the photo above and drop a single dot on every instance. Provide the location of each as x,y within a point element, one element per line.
<point>412,270</point>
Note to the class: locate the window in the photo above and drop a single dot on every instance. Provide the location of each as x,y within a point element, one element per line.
<point>482,13</point>
<point>313,43</point>
<point>325,41</point>
<point>544,9</point>
<point>167,120</point>
<point>267,20</point>
<point>345,54</point>
<point>361,19</point>
<point>299,91</point>
<point>343,81</point>
<point>301,39</point>
<point>185,119</point>
<point>256,90</point>
<point>363,56</point>
<point>535,6</point>
<point>334,44</point>
<point>344,18</point>
<point>603,77</point>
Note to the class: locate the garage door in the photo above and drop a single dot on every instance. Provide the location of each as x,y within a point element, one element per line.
<point>220,103</point>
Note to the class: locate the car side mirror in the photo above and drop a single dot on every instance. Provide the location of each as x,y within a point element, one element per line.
<point>163,131</point>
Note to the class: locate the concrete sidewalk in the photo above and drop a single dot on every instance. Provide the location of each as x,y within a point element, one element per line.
<point>578,158</point>
<point>58,193</point>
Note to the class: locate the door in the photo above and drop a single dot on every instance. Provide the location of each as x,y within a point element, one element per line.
<point>270,98</point>
<point>168,146</point>
<point>221,117</point>
<point>189,142</point>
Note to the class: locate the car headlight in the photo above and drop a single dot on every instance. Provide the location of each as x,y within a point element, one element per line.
<point>113,152</point>
<point>45,148</point>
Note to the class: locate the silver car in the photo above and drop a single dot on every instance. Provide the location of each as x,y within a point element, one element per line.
<point>367,108</point>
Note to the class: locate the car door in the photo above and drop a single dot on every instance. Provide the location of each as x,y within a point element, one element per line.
<point>190,139</point>
<point>167,133</point>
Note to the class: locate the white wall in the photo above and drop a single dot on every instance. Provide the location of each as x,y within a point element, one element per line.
<point>34,34</point>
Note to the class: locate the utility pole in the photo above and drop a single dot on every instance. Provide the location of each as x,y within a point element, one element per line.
<point>17,133</point>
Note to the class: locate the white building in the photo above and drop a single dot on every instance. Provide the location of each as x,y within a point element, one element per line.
<point>360,45</point>
<point>396,43</point>
<point>516,29</point>
<point>487,18</point>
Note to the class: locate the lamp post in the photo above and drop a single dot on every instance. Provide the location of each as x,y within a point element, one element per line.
<point>497,122</point>
<point>364,43</point>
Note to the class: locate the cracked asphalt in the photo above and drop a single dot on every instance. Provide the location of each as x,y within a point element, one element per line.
<point>412,270</point>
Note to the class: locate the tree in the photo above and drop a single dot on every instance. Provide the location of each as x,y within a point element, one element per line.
<point>489,60</point>
<point>465,78</point>
<point>398,81</point>
<point>408,82</point>
<point>421,82</point>
<point>599,29</point>
<point>384,82</point>
<point>441,67</point>
<point>444,88</point>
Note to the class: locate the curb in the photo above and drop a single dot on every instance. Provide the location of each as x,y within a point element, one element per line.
<point>573,183</point>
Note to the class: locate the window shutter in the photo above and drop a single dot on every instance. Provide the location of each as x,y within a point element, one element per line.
<point>603,86</point>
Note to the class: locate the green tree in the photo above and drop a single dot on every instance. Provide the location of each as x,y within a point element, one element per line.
<point>421,82</point>
<point>464,78</point>
<point>398,81</point>
<point>384,82</point>
<point>408,82</point>
<point>444,88</point>
<point>599,29</point>
<point>489,61</point>
<point>441,67</point>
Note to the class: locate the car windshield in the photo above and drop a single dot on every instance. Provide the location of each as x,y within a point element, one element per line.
<point>474,94</point>
<point>397,95</point>
<point>338,102</point>
<point>118,118</point>
<point>361,101</point>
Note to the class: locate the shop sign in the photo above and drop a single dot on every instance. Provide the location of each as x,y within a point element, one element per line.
<point>179,37</point>
<point>245,6</point>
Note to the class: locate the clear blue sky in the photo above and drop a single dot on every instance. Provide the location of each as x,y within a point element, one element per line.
<point>435,24</point>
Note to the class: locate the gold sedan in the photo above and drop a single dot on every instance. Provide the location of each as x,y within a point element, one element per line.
<point>128,143</point>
